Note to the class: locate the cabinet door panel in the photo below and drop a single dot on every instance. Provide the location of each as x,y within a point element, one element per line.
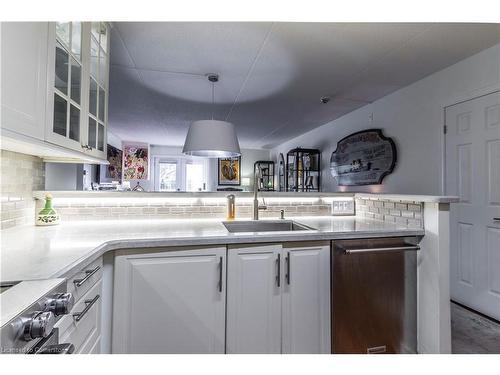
<point>253,300</point>
<point>306,298</point>
<point>170,302</point>
<point>24,85</point>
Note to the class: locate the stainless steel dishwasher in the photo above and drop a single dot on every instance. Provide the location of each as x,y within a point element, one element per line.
<point>374,295</point>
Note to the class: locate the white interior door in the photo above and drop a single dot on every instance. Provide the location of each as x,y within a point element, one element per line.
<point>473,173</point>
<point>306,298</point>
<point>254,299</point>
<point>170,302</point>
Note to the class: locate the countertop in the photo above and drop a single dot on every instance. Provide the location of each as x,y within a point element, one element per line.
<point>31,253</point>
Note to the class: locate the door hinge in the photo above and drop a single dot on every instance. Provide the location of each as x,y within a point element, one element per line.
<point>445,129</point>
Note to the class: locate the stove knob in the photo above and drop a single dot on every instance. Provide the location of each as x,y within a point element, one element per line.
<point>60,304</point>
<point>39,325</point>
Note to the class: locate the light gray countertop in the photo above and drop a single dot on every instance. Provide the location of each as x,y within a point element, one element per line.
<point>30,252</point>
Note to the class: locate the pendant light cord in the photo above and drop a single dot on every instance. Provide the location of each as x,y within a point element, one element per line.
<point>213,99</point>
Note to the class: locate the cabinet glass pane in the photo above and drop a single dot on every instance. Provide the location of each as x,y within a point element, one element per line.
<point>100,138</point>
<point>76,80</point>
<point>102,68</point>
<point>92,132</point>
<point>96,30</point>
<point>74,123</point>
<point>93,97</point>
<point>76,39</point>
<point>104,38</point>
<point>94,57</point>
<point>62,32</point>
<point>61,70</point>
<point>102,100</point>
<point>60,115</point>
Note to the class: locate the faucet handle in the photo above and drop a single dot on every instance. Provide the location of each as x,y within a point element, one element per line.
<point>282,214</point>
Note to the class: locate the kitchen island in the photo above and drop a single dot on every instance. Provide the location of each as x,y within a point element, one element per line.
<point>31,253</point>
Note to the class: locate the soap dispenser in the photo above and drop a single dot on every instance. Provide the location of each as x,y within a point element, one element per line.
<point>231,207</point>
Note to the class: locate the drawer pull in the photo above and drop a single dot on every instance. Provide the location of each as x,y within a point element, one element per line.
<point>89,274</point>
<point>89,303</point>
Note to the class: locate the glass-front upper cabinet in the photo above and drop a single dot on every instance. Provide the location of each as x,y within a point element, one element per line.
<point>98,86</point>
<point>65,85</point>
<point>78,86</point>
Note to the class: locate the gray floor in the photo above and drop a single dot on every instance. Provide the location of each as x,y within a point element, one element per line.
<point>473,334</point>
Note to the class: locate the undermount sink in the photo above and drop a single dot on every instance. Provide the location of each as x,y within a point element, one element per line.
<point>264,226</point>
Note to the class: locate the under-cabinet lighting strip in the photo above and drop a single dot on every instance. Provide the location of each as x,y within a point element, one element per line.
<point>189,200</point>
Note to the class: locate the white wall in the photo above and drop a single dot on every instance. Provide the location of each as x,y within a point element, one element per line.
<point>248,158</point>
<point>413,116</point>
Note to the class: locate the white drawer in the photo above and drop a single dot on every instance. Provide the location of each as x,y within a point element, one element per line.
<point>92,346</point>
<point>84,332</point>
<point>80,283</point>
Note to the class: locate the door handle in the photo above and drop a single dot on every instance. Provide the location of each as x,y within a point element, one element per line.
<point>220,274</point>
<point>278,276</point>
<point>287,276</point>
<point>378,249</point>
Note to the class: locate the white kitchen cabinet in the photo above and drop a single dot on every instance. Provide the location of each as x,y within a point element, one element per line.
<point>170,301</point>
<point>24,77</point>
<point>54,90</point>
<point>254,299</point>
<point>278,298</point>
<point>77,82</point>
<point>306,298</point>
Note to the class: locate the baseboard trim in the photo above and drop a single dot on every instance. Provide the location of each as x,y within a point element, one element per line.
<point>476,312</point>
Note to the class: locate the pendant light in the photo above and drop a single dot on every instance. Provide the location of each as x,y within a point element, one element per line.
<point>212,138</point>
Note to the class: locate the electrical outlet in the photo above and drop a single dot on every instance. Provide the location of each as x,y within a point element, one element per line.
<point>343,207</point>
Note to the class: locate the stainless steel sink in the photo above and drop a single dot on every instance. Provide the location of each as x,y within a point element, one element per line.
<point>264,226</point>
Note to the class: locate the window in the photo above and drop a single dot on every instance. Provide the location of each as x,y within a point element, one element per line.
<point>167,176</point>
<point>180,174</point>
<point>194,177</point>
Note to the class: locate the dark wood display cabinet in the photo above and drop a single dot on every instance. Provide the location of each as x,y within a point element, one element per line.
<point>303,170</point>
<point>265,173</point>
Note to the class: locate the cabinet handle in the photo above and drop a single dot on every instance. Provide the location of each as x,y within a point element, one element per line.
<point>89,303</point>
<point>220,274</point>
<point>89,274</point>
<point>496,219</point>
<point>287,276</point>
<point>377,249</point>
<point>278,276</point>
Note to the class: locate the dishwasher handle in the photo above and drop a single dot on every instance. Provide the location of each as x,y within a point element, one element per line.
<point>379,249</point>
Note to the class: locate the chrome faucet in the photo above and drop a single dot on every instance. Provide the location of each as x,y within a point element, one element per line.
<point>256,206</point>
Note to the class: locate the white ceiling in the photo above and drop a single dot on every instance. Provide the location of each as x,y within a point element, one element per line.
<point>272,75</point>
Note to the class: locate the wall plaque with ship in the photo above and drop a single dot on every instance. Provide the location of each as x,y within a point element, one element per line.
<point>363,158</point>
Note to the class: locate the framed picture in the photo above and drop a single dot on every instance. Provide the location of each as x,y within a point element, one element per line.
<point>135,162</point>
<point>114,168</point>
<point>229,171</point>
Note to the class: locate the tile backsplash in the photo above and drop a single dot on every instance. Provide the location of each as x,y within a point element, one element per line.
<point>403,212</point>
<point>20,176</point>
<point>103,209</point>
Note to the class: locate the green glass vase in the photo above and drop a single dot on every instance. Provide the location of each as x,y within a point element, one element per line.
<point>48,216</point>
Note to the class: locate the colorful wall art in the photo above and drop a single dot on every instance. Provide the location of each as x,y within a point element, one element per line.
<point>363,158</point>
<point>229,171</point>
<point>114,168</point>
<point>135,162</point>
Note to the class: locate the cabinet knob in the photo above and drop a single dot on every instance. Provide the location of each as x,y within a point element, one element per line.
<point>59,304</point>
<point>39,325</point>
